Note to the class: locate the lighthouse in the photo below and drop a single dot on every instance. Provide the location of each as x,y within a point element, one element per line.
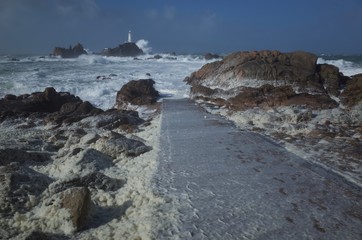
<point>129,37</point>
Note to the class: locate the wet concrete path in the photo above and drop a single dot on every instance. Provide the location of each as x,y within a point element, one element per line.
<point>233,184</point>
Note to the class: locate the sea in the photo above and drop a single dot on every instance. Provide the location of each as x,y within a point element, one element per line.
<point>97,78</point>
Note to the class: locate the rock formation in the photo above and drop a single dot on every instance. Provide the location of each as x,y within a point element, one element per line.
<point>269,78</point>
<point>137,92</point>
<point>71,52</point>
<point>59,179</point>
<point>210,56</point>
<point>128,49</point>
<point>55,107</point>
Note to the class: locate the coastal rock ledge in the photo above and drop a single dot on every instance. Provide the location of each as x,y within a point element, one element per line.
<point>271,78</point>
<point>71,52</point>
<point>312,109</point>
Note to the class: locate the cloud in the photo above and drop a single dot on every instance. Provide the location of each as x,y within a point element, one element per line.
<point>169,12</point>
<point>80,7</point>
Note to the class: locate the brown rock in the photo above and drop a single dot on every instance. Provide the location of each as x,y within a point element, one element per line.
<point>137,92</point>
<point>283,79</point>
<point>352,94</point>
<point>78,202</point>
<point>48,101</point>
<point>263,65</point>
<point>331,78</point>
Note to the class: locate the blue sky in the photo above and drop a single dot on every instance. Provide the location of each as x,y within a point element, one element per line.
<point>183,26</point>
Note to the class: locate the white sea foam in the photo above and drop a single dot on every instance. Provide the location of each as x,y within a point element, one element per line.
<point>348,68</point>
<point>97,78</point>
<point>143,44</point>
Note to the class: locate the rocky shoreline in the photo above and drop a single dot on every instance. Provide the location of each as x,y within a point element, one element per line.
<point>68,168</point>
<point>312,109</point>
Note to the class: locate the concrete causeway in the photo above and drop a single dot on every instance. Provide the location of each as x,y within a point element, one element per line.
<point>232,184</point>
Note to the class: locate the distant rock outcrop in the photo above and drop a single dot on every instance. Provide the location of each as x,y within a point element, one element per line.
<point>128,49</point>
<point>71,52</point>
<point>267,79</point>
<point>137,92</point>
<point>210,56</point>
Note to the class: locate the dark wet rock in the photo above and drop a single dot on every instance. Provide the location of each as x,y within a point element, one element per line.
<point>117,144</point>
<point>94,180</point>
<point>38,235</point>
<point>48,101</point>
<point>124,50</point>
<point>71,52</point>
<point>10,97</point>
<point>77,201</point>
<point>8,156</point>
<point>137,92</point>
<point>157,56</point>
<point>53,106</point>
<point>20,188</point>
<point>352,94</point>
<point>124,119</point>
<point>210,56</point>
<point>331,78</point>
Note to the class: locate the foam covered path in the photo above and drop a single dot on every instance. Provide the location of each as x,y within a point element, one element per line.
<point>231,184</point>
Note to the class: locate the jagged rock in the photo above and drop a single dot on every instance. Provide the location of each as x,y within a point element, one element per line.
<point>20,188</point>
<point>352,95</point>
<point>137,92</point>
<point>78,202</point>
<point>8,156</point>
<point>268,96</point>
<point>267,79</point>
<point>48,101</point>
<point>331,78</point>
<point>93,160</point>
<point>95,180</point>
<point>210,56</point>
<point>124,50</point>
<point>54,107</point>
<point>74,52</point>
<point>262,65</point>
<point>117,144</point>
<point>125,119</point>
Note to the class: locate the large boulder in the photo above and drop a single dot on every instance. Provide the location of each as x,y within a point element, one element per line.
<point>352,94</point>
<point>137,92</point>
<point>128,49</point>
<point>77,202</point>
<point>262,65</point>
<point>48,101</point>
<point>20,188</point>
<point>71,52</point>
<point>267,79</point>
<point>53,106</point>
<point>331,78</point>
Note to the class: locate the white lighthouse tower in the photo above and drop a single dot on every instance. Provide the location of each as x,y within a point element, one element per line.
<point>129,37</point>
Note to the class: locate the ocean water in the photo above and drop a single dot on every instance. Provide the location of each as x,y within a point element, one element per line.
<point>97,78</point>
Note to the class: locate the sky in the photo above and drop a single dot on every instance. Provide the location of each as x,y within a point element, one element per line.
<point>183,26</point>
